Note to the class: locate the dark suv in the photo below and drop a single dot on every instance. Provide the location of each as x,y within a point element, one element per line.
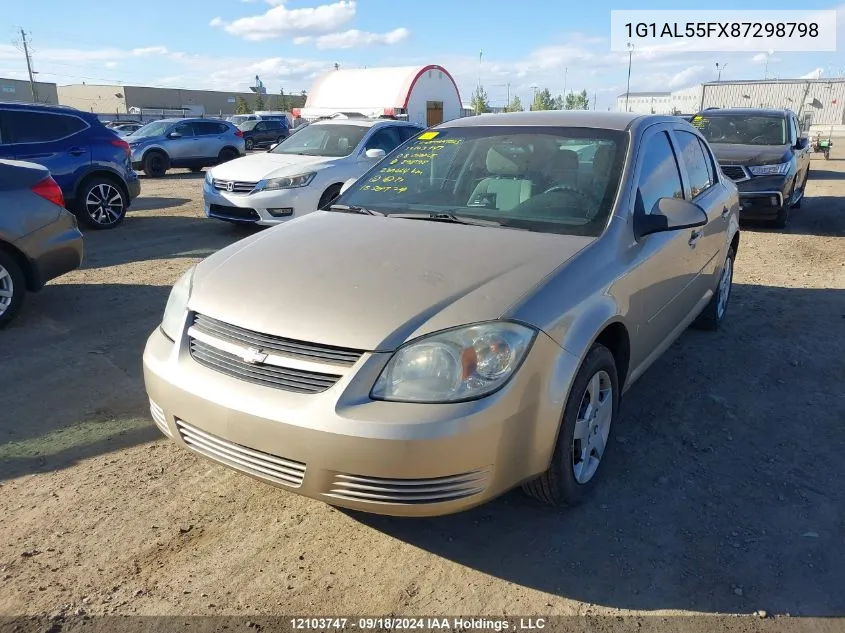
<point>89,162</point>
<point>764,153</point>
<point>264,132</point>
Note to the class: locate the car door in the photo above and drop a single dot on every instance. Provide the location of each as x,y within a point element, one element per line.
<point>210,141</point>
<point>184,147</point>
<point>662,266</point>
<point>7,150</point>
<point>701,188</point>
<point>51,139</point>
<point>802,153</point>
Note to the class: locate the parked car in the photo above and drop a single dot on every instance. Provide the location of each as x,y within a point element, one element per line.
<point>765,154</point>
<point>118,123</point>
<point>463,320</point>
<point>303,173</point>
<point>191,143</point>
<point>237,119</point>
<point>126,129</point>
<point>263,133</point>
<point>90,163</point>
<point>39,238</point>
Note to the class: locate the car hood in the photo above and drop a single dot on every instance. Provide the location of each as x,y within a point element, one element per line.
<point>371,283</point>
<point>268,165</point>
<point>730,154</point>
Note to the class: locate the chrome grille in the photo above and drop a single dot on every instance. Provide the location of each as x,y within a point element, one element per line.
<point>238,186</point>
<point>248,460</point>
<point>408,491</point>
<point>736,173</point>
<point>277,344</point>
<point>288,379</point>
<point>159,418</point>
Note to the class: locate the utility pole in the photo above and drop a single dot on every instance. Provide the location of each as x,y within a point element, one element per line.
<point>628,88</point>
<point>29,67</point>
<point>509,94</point>
<point>565,73</point>
<point>719,69</point>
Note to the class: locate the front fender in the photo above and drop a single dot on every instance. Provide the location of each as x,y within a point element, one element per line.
<point>577,332</point>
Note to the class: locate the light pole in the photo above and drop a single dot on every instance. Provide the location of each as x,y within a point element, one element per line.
<point>565,73</point>
<point>628,89</point>
<point>533,96</point>
<point>719,70</point>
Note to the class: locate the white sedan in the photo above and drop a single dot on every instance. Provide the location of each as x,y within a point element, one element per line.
<point>303,173</point>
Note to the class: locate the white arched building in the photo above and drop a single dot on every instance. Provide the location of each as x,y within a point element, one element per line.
<point>426,95</point>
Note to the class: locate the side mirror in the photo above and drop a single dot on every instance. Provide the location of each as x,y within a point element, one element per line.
<point>375,154</point>
<point>347,184</point>
<point>174,135</point>
<point>803,143</point>
<point>669,214</point>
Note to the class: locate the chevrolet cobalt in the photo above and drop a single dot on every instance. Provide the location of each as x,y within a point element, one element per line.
<point>461,321</point>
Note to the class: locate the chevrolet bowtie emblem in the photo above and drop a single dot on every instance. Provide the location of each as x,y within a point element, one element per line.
<point>253,356</point>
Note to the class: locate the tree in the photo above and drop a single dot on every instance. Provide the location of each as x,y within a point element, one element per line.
<point>259,101</point>
<point>543,100</point>
<point>578,101</point>
<point>514,106</point>
<point>241,106</point>
<point>480,105</point>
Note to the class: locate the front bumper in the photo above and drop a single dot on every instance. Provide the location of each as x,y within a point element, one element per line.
<point>54,249</point>
<point>762,197</point>
<point>347,450</point>
<point>265,208</point>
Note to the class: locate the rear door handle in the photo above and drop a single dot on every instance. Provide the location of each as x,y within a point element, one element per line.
<point>76,151</point>
<point>693,238</point>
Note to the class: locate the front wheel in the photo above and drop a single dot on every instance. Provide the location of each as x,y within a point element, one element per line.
<point>12,287</point>
<point>249,144</point>
<point>102,203</point>
<point>155,164</point>
<point>329,196</point>
<point>713,315</point>
<point>584,434</point>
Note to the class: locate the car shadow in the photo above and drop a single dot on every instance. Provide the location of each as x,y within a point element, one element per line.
<point>723,484</point>
<point>178,174</point>
<point>821,216</point>
<point>825,174</point>
<point>152,203</point>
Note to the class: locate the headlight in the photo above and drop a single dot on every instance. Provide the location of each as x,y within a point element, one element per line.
<point>208,177</point>
<point>285,182</point>
<point>177,304</point>
<point>769,170</point>
<point>455,365</point>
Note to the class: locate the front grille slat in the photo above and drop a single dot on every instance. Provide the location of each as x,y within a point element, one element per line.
<point>735,172</point>
<point>235,214</point>
<point>287,347</point>
<point>238,186</point>
<point>408,491</point>
<point>258,463</point>
<point>270,375</point>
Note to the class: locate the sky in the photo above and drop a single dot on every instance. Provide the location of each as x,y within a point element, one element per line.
<point>511,47</point>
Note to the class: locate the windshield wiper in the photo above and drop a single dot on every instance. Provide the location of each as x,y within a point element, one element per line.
<point>438,216</point>
<point>346,208</point>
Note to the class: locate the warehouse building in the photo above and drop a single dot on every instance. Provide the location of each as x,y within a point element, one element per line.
<point>426,95</point>
<point>645,102</point>
<point>19,91</point>
<point>117,99</point>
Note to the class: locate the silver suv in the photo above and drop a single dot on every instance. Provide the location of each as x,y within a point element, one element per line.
<point>191,143</point>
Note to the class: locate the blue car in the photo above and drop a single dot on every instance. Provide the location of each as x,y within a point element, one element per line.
<point>91,164</point>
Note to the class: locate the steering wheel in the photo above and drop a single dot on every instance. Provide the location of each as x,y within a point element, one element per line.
<point>573,190</point>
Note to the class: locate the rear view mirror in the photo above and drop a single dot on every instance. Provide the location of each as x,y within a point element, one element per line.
<point>375,154</point>
<point>347,184</point>
<point>669,214</point>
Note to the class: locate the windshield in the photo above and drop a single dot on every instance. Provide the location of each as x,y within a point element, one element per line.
<point>246,126</point>
<point>156,128</point>
<point>547,179</point>
<point>746,129</point>
<point>323,140</point>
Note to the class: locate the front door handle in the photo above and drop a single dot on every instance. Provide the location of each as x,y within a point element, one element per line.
<point>694,237</point>
<point>726,212</point>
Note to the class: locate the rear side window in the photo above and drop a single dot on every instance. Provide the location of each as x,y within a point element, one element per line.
<point>24,126</point>
<point>693,157</point>
<point>708,159</point>
<point>659,175</point>
<point>207,128</point>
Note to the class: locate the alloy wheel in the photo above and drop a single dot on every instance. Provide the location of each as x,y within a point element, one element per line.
<point>592,427</point>
<point>725,282</point>
<point>104,204</point>
<point>7,290</point>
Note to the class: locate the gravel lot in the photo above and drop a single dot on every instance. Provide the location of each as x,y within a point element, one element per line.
<point>723,492</point>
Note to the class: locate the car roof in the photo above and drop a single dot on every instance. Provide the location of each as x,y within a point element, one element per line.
<point>362,122</point>
<point>559,118</point>
<point>745,111</point>
<point>41,106</point>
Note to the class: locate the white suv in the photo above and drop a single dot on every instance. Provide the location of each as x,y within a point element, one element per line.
<point>303,173</point>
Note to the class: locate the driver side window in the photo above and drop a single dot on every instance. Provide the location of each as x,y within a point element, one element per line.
<point>185,129</point>
<point>659,174</point>
<point>387,138</point>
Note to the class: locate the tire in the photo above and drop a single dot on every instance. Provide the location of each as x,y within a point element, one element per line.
<point>568,481</point>
<point>101,203</point>
<point>226,154</point>
<point>713,315</point>
<point>329,196</point>
<point>249,144</point>
<point>12,288</point>
<point>155,164</point>
<point>195,170</point>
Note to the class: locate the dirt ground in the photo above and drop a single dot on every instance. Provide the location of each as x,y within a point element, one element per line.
<point>724,491</point>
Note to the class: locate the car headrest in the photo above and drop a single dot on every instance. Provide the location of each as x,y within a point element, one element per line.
<point>566,159</point>
<point>498,164</point>
<point>603,158</point>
